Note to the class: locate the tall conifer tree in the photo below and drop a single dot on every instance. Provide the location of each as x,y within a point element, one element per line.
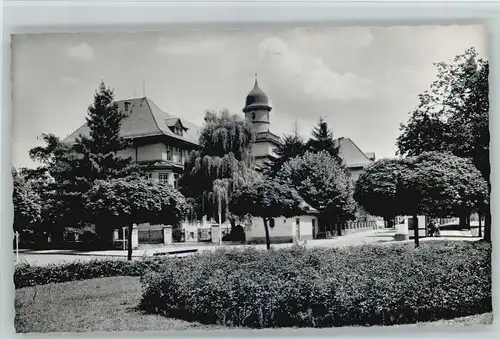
<point>322,140</point>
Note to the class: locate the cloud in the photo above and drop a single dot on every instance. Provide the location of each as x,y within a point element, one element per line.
<point>323,39</point>
<point>310,73</point>
<point>81,51</point>
<point>190,46</point>
<point>69,80</point>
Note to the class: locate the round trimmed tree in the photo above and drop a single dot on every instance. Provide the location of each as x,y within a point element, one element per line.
<point>267,199</point>
<point>433,183</point>
<point>135,200</point>
<point>376,189</point>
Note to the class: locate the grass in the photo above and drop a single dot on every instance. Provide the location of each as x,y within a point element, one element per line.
<point>109,304</point>
<point>103,304</point>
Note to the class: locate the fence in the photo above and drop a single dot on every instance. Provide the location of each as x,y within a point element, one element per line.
<point>151,236</point>
<point>348,228</point>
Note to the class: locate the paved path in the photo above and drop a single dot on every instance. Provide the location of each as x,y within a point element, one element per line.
<point>380,236</point>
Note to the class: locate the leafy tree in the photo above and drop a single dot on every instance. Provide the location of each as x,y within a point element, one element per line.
<point>27,204</point>
<point>291,146</point>
<point>54,181</point>
<point>322,140</point>
<point>73,168</point>
<point>220,166</point>
<point>268,199</point>
<point>433,183</point>
<point>323,183</point>
<point>453,116</point>
<point>377,187</point>
<point>445,185</point>
<point>134,200</point>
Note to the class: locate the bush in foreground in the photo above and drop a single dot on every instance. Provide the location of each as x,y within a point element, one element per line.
<point>31,275</point>
<point>368,285</point>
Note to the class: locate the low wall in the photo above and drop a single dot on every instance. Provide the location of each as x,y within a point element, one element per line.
<point>349,228</point>
<point>356,227</point>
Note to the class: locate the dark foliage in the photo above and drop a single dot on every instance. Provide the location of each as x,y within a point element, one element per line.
<point>291,146</point>
<point>453,116</point>
<point>322,140</point>
<point>220,166</point>
<point>31,275</point>
<point>367,285</point>
<point>323,183</point>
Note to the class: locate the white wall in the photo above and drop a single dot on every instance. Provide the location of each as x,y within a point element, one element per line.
<point>263,148</point>
<point>156,151</point>
<point>284,227</point>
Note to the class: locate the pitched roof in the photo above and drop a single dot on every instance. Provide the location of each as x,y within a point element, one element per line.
<point>370,155</point>
<point>145,119</point>
<point>351,154</point>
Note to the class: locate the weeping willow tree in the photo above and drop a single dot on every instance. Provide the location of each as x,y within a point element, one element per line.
<point>220,166</point>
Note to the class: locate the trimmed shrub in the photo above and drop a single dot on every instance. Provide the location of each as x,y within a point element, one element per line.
<point>30,275</point>
<point>364,285</point>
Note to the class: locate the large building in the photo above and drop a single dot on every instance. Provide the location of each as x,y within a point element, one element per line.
<point>158,138</point>
<point>164,140</point>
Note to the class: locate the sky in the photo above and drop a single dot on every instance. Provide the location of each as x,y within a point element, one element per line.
<point>364,81</point>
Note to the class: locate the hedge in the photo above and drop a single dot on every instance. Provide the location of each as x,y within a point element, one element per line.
<point>365,285</point>
<point>30,275</point>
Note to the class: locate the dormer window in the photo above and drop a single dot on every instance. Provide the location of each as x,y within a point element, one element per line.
<point>176,126</point>
<point>178,131</point>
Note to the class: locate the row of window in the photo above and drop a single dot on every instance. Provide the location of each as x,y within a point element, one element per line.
<point>163,177</point>
<point>178,131</point>
<point>175,154</point>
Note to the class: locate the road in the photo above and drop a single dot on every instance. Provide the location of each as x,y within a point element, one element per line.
<point>380,236</point>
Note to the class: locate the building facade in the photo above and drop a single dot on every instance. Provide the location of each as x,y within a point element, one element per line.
<point>158,139</point>
<point>163,140</point>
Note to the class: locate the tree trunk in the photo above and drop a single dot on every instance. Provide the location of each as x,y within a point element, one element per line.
<point>463,222</point>
<point>415,228</point>
<point>266,228</point>
<point>57,236</point>
<point>129,243</point>
<point>487,226</point>
<point>480,231</point>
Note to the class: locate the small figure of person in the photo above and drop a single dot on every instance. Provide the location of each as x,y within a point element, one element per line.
<point>433,228</point>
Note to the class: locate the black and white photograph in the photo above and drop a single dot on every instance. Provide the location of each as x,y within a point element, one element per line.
<point>306,176</point>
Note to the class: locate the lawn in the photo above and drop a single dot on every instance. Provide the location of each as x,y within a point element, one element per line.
<point>103,304</point>
<point>109,304</point>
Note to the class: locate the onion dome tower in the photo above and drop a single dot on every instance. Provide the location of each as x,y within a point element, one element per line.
<point>257,108</point>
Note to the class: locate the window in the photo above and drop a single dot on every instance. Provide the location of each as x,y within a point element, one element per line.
<point>149,176</point>
<point>184,155</point>
<point>169,152</point>
<point>177,155</point>
<point>163,178</point>
<point>176,180</point>
<point>178,131</point>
